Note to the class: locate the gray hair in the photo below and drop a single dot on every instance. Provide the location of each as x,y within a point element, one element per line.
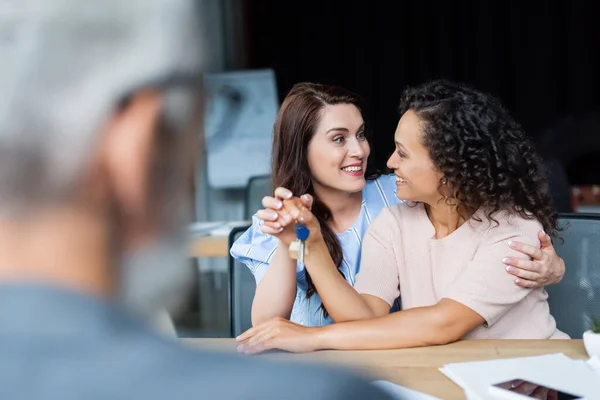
<point>65,64</point>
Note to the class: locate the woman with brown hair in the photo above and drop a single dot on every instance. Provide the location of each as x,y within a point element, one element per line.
<point>321,160</point>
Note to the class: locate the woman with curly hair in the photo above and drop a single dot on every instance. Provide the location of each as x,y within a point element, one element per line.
<point>472,184</point>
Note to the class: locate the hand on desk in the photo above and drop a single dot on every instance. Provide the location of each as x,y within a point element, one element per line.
<point>277,333</point>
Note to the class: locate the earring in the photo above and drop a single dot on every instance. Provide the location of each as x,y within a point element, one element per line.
<point>444,181</point>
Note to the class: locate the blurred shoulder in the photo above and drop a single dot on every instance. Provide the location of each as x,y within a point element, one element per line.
<point>255,378</point>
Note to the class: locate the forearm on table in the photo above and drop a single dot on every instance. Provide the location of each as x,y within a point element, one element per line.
<point>276,292</point>
<point>416,327</point>
<point>342,302</point>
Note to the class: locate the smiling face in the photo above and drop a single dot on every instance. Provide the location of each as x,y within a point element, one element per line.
<point>417,178</point>
<point>338,150</point>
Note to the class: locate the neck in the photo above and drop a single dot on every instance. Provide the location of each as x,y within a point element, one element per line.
<point>444,218</point>
<point>344,206</point>
<point>61,247</point>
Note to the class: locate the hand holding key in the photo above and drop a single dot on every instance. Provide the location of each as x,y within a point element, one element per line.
<point>308,231</point>
<point>280,214</point>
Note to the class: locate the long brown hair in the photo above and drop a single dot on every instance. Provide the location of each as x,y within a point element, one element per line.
<point>294,128</point>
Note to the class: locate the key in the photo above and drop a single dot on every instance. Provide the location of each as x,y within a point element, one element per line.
<point>298,247</point>
<point>302,234</point>
<point>295,249</point>
<point>301,251</point>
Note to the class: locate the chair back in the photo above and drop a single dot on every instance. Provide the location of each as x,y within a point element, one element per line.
<point>257,188</point>
<point>241,290</point>
<point>578,295</point>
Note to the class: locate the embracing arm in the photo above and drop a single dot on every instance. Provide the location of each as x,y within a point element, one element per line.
<point>544,268</point>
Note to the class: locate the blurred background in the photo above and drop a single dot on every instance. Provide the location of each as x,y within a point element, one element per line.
<point>540,58</point>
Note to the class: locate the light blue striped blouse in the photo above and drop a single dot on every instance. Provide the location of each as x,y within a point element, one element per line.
<point>255,249</point>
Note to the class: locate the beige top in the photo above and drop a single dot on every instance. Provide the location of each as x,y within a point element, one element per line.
<point>400,255</point>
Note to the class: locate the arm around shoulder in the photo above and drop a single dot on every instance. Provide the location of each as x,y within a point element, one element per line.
<point>484,286</point>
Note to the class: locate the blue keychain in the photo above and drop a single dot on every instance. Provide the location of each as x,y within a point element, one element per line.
<point>302,232</point>
<point>298,247</point>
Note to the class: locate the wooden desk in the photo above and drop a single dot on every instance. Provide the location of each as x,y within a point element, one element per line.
<point>418,368</point>
<point>209,246</point>
<point>217,243</point>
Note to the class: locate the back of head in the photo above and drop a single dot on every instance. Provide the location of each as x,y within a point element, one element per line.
<point>71,72</point>
<point>65,66</point>
<point>481,150</point>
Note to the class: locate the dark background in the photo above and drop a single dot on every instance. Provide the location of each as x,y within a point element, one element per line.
<point>542,59</point>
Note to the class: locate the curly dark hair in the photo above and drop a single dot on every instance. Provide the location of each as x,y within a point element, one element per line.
<point>482,152</point>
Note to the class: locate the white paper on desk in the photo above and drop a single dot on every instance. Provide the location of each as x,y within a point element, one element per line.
<point>554,370</point>
<point>473,396</point>
<point>401,392</point>
<point>594,364</point>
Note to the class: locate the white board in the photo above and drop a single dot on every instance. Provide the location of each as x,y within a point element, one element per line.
<point>240,112</point>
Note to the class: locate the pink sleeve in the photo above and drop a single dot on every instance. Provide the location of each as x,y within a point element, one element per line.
<point>378,274</point>
<point>484,285</point>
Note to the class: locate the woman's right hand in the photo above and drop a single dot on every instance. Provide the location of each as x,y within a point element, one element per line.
<point>278,221</point>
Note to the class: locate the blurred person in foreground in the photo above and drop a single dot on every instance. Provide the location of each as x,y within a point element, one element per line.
<point>100,109</point>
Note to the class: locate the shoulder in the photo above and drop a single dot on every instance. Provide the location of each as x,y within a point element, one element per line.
<point>391,221</point>
<point>509,225</point>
